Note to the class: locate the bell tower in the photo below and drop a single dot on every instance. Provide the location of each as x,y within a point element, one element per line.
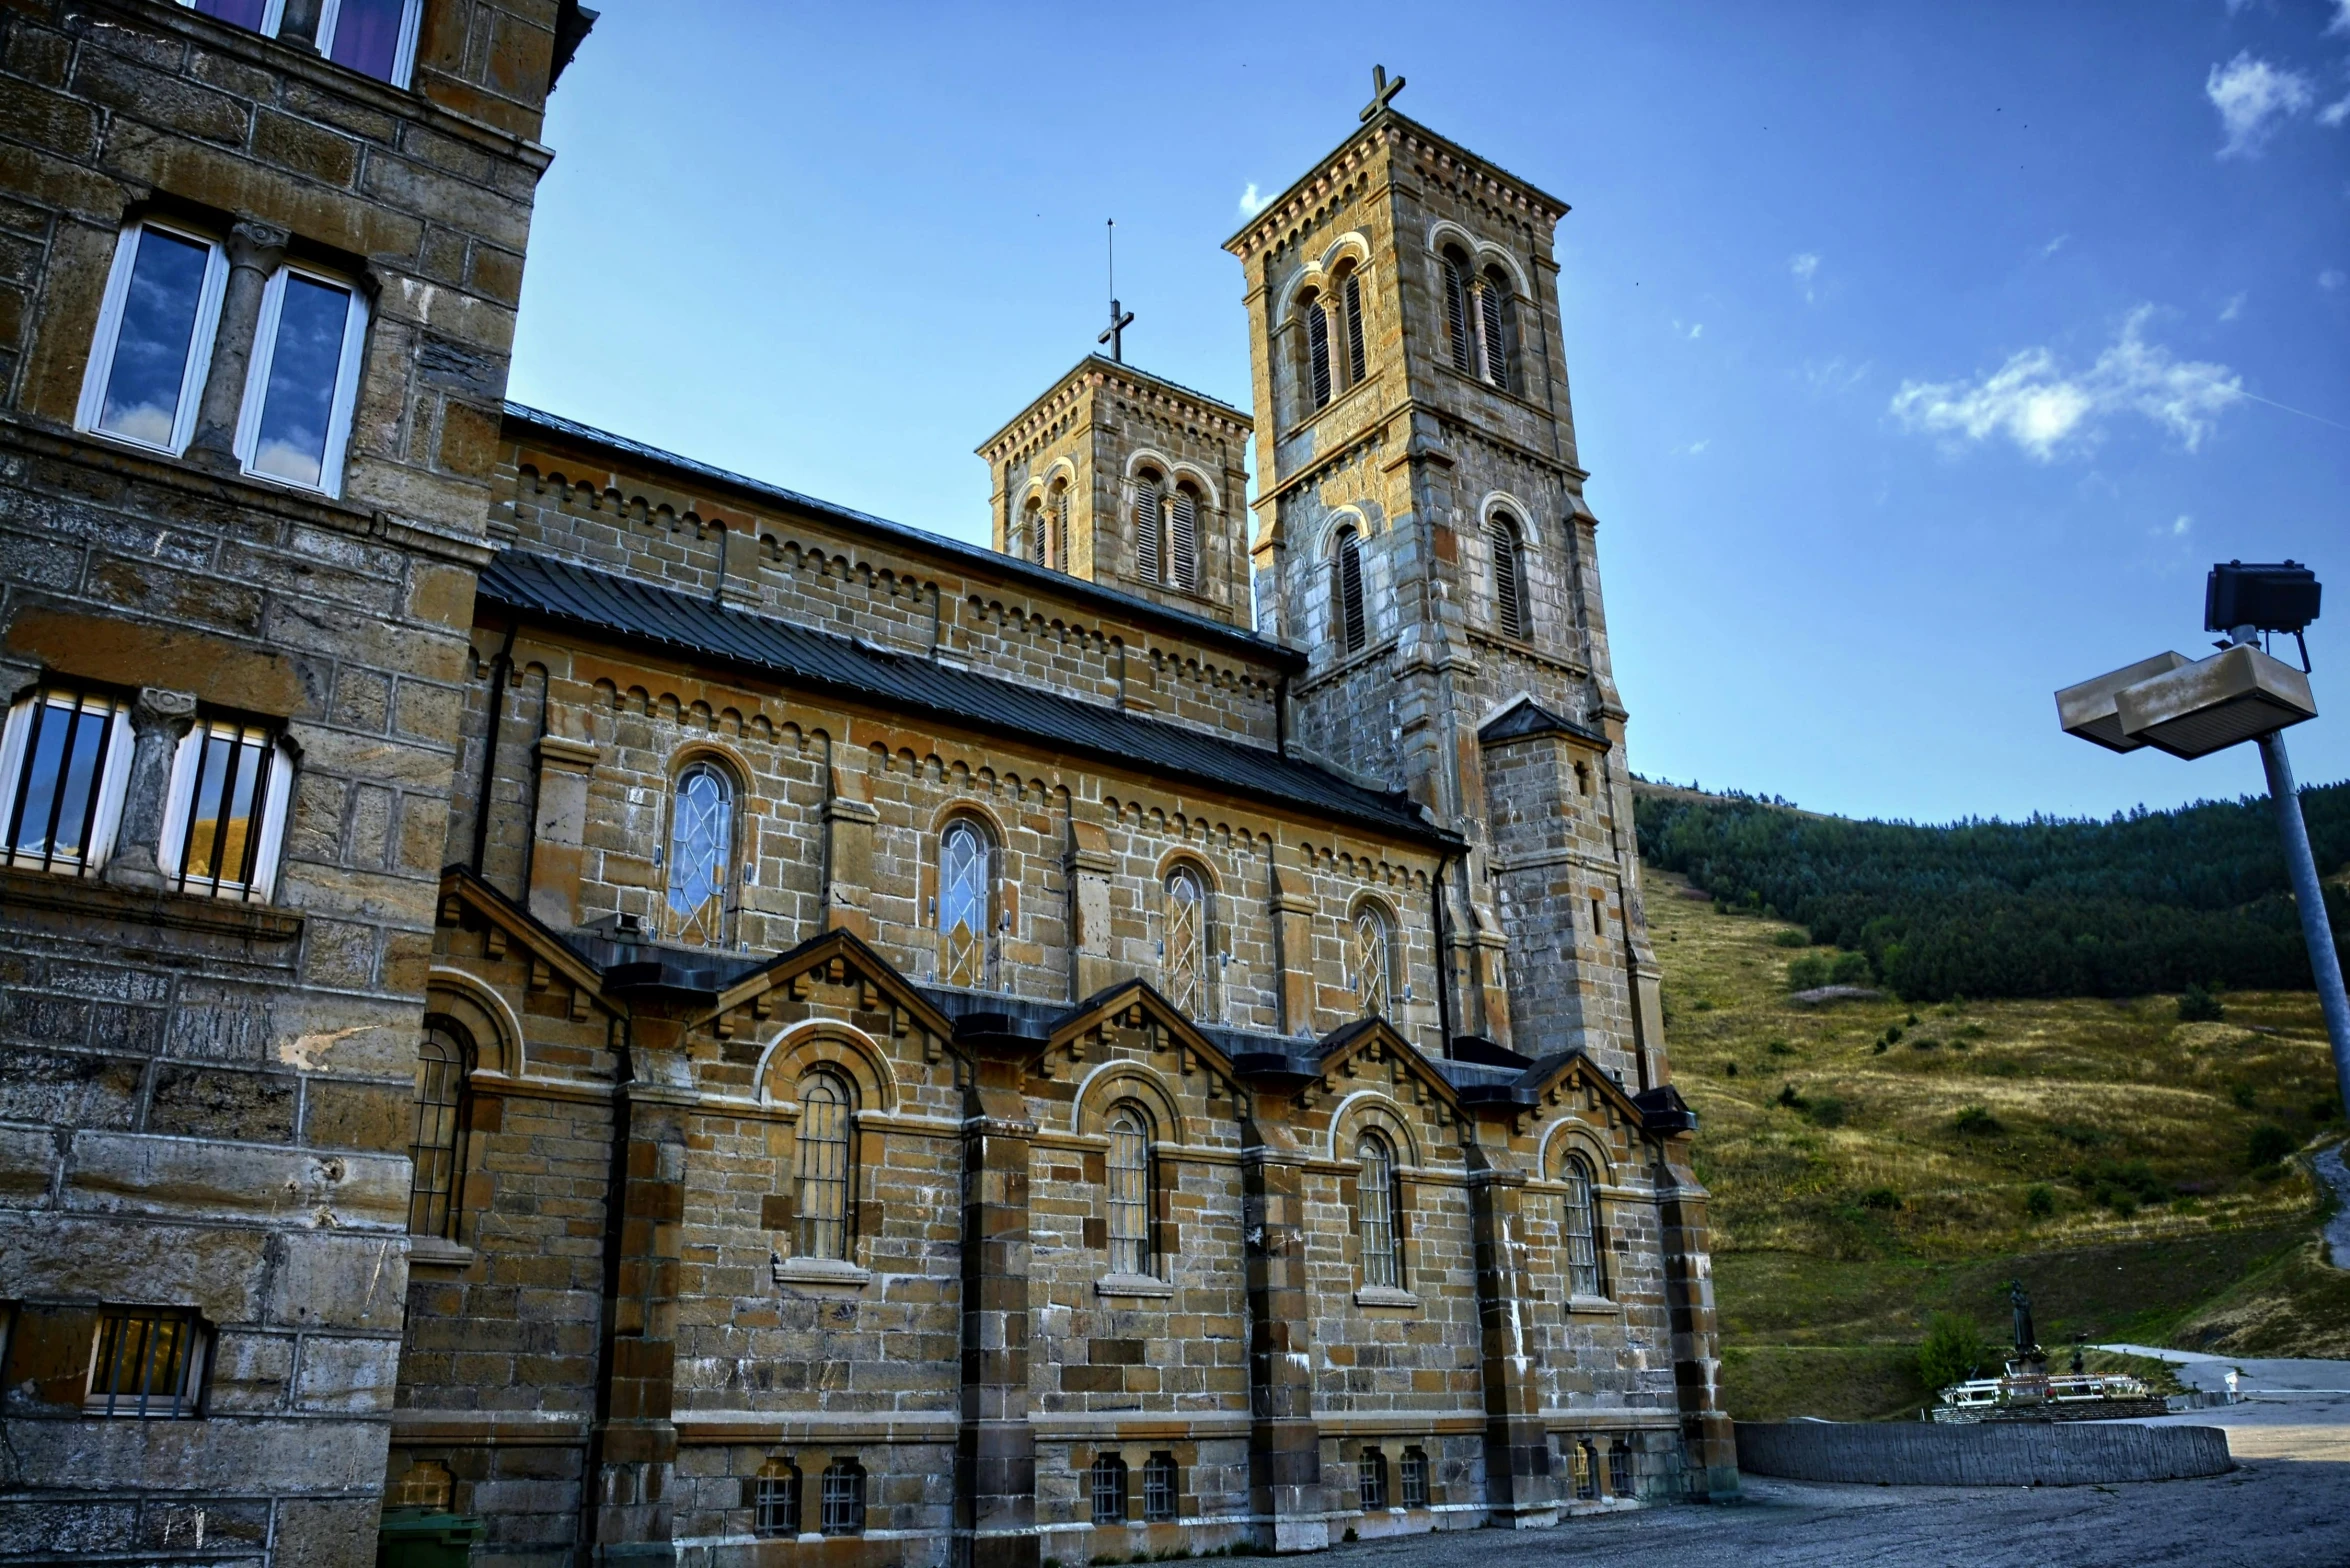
<point>1421,534</point>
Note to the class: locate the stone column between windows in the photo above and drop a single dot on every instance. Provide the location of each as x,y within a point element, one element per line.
<point>634,1443</point>
<point>995,1447</point>
<point>559,829</point>
<point>1285,1441</point>
<point>1519,1489</point>
<point>1091,865</point>
<point>160,720</point>
<point>849,820</point>
<point>1709,1443</point>
<point>255,250</point>
<point>1293,950</point>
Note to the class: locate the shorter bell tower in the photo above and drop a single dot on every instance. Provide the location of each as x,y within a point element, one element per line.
<point>1129,481</point>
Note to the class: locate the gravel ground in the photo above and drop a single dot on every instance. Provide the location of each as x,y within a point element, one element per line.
<point>2267,1514</point>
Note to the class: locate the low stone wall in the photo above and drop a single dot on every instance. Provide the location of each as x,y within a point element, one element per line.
<point>1913,1453</point>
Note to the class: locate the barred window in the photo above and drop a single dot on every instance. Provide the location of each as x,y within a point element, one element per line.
<point>1586,1462</point>
<point>1161,1488</point>
<point>1350,294</point>
<point>1579,1230</point>
<point>436,1150</point>
<point>225,814</point>
<point>1346,591</point>
<point>1109,1490</point>
<point>1129,1170</point>
<point>1317,353</point>
<point>701,853</point>
<point>827,1132</point>
<point>844,1498</point>
<point>1413,1473</point>
<point>148,1363</point>
<point>1378,1199</point>
<point>1185,967</point>
<point>1373,963</point>
<point>965,896</point>
<point>1372,1479</point>
<point>65,760</point>
<point>1508,552</point>
<point>775,1500</point>
<point>1619,1468</point>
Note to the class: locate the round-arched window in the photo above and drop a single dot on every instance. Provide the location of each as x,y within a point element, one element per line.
<point>1129,1171</point>
<point>1347,625</point>
<point>826,1150</point>
<point>1579,1230</point>
<point>1373,962</point>
<point>963,902</point>
<point>1185,970</point>
<point>701,853</point>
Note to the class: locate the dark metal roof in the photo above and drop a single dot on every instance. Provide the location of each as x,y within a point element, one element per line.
<point>1041,578</point>
<point>1532,718</point>
<point>560,593</point>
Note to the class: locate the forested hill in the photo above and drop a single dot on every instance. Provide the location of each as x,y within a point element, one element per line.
<point>2149,901</point>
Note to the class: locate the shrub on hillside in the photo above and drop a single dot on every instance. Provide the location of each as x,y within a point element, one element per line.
<point>2197,1005</point>
<point>1806,973</point>
<point>2039,1200</point>
<point>2121,1185</point>
<point>1790,938</point>
<point>1826,1111</point>
<point>1880,1198</point>
<point>2269,1144</point>
<point>1954,1351</point>
<point>1852,969</point>
<point>1975,1121</point>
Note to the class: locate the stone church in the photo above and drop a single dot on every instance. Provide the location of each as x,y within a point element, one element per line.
<point>671,1020</point>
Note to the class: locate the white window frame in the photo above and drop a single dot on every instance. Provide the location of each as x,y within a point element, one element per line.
<point>100,370</point>
<point>113,785</point>
<point>273,16</point>
<point>179,797</point>
<point>338,419</point>
<point>404,53</point>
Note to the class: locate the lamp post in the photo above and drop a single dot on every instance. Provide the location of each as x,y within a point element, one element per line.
<point>2192,708</point>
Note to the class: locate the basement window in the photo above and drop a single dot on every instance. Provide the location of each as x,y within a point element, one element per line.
<point>65,762</point>
<point>303,381</point>
<point>154,342</point>
<point>147,1363</point>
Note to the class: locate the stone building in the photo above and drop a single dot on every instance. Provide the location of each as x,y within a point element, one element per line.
<point>543,979</point>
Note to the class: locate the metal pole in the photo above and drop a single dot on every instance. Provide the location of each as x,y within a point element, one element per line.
<point>2316,930</point>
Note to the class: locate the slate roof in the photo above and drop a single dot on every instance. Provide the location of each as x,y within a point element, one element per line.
<point>1043,578</point>
<point>561,593</point>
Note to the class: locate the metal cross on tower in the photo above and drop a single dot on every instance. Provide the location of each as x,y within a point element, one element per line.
<point>1115,335</point>
<point>1383,91</point>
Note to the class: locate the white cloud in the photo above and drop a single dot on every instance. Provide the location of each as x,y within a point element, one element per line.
<point>2341,21</point>
<point>2233,308</point>
<point>1697,448</point>
<point>1251,203</point>
<point>2251,97</point>
<point>1805,266</point>
<point>1831,376</point>
<point>2054,245</point>
<point>1693,331</point>
<point>2178,530</point>
<point>2046,410</point>
<point>2331,279</point>
<point>2333,114</point>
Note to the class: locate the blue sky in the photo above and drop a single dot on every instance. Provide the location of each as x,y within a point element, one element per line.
<point>1923,357</point>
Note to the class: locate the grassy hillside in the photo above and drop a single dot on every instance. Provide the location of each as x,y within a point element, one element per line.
<point>1874,1162</point>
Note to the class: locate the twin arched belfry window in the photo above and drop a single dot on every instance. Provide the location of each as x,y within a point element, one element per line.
<point>1166,531</point>
<point>1333,350</point>
<point>1480,319</point>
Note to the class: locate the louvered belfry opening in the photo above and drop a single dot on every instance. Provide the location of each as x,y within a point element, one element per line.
<point>1147,526</point>
<point>1459,334</point>
<point>1350,292</point>
<point>1061,521</point>
<point>1493,293</point>
<point>1509,575</point>
<point>1183,540</point>
<point>1039,547</point>
<point>1346,591</point>
<point>1318,353</point>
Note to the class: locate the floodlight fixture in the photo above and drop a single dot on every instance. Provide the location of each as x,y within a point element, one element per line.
<point>2241,598</point>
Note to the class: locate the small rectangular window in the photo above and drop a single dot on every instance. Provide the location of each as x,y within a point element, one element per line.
<point>154,341</point>
<point>225,815</point>
<point>148,1362</point>
<point>1160,1487</point>
<point>844,1498</point>
<point>373,37</point>
<point>1413,1473</point>
<point>1619,1469</point>
<point>303,381</point>
<point>65,762</point>
<point>776,1501</point>
<point>1373,1478</point>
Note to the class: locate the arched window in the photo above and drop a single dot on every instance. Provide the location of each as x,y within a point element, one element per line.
<point>775,1500</point>
<point>1347,627</point>
<point>1379,1199</point>
<point>966,944</point>
<point>1060,526</point>
<point>1184,968</point>
<point>1350,309</point>
<point>1496,313</point>
<point>1372,1476</point>
<point>1373,963</point>
<point>1129,1171</point>
<point>844,1498</point>
<point>1183,538</point>
<point>1317,351</point>
<point>1460,335</point>
<point>1579,1230</point>
<point>827,1155</point>
<point>438,1145</point>
<point>1508,552</point>
<point>701,853</point>
<point>1162,1487</point>
<point>1109,1489</point>
<point>1033,541</point>
<point>1147,501</point>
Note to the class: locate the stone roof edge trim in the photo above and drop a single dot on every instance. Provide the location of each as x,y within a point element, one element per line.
<point>1102,364</point>
<point>1349,1041</point>
<point>1112,1001</point>
<point>462,882</point>
<point>1275,211</point>
<point>1397,827</point>
<point>1537,1080</point>
<point>1110,600</point>
<point>821,950</point>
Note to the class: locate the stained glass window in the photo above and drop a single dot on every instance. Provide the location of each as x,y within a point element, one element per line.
<point>963,907</point>
<point>1373,964</point>
<point>701,845</point>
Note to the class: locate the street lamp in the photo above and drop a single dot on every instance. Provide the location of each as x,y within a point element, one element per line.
<point>2192,708</point>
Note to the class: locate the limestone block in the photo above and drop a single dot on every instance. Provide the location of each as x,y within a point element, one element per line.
<point>189,1178</point>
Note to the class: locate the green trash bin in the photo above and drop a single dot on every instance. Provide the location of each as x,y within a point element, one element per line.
<point>425,1538</point>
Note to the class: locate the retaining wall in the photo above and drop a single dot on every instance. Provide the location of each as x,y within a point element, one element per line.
<point>2003,1454</point>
